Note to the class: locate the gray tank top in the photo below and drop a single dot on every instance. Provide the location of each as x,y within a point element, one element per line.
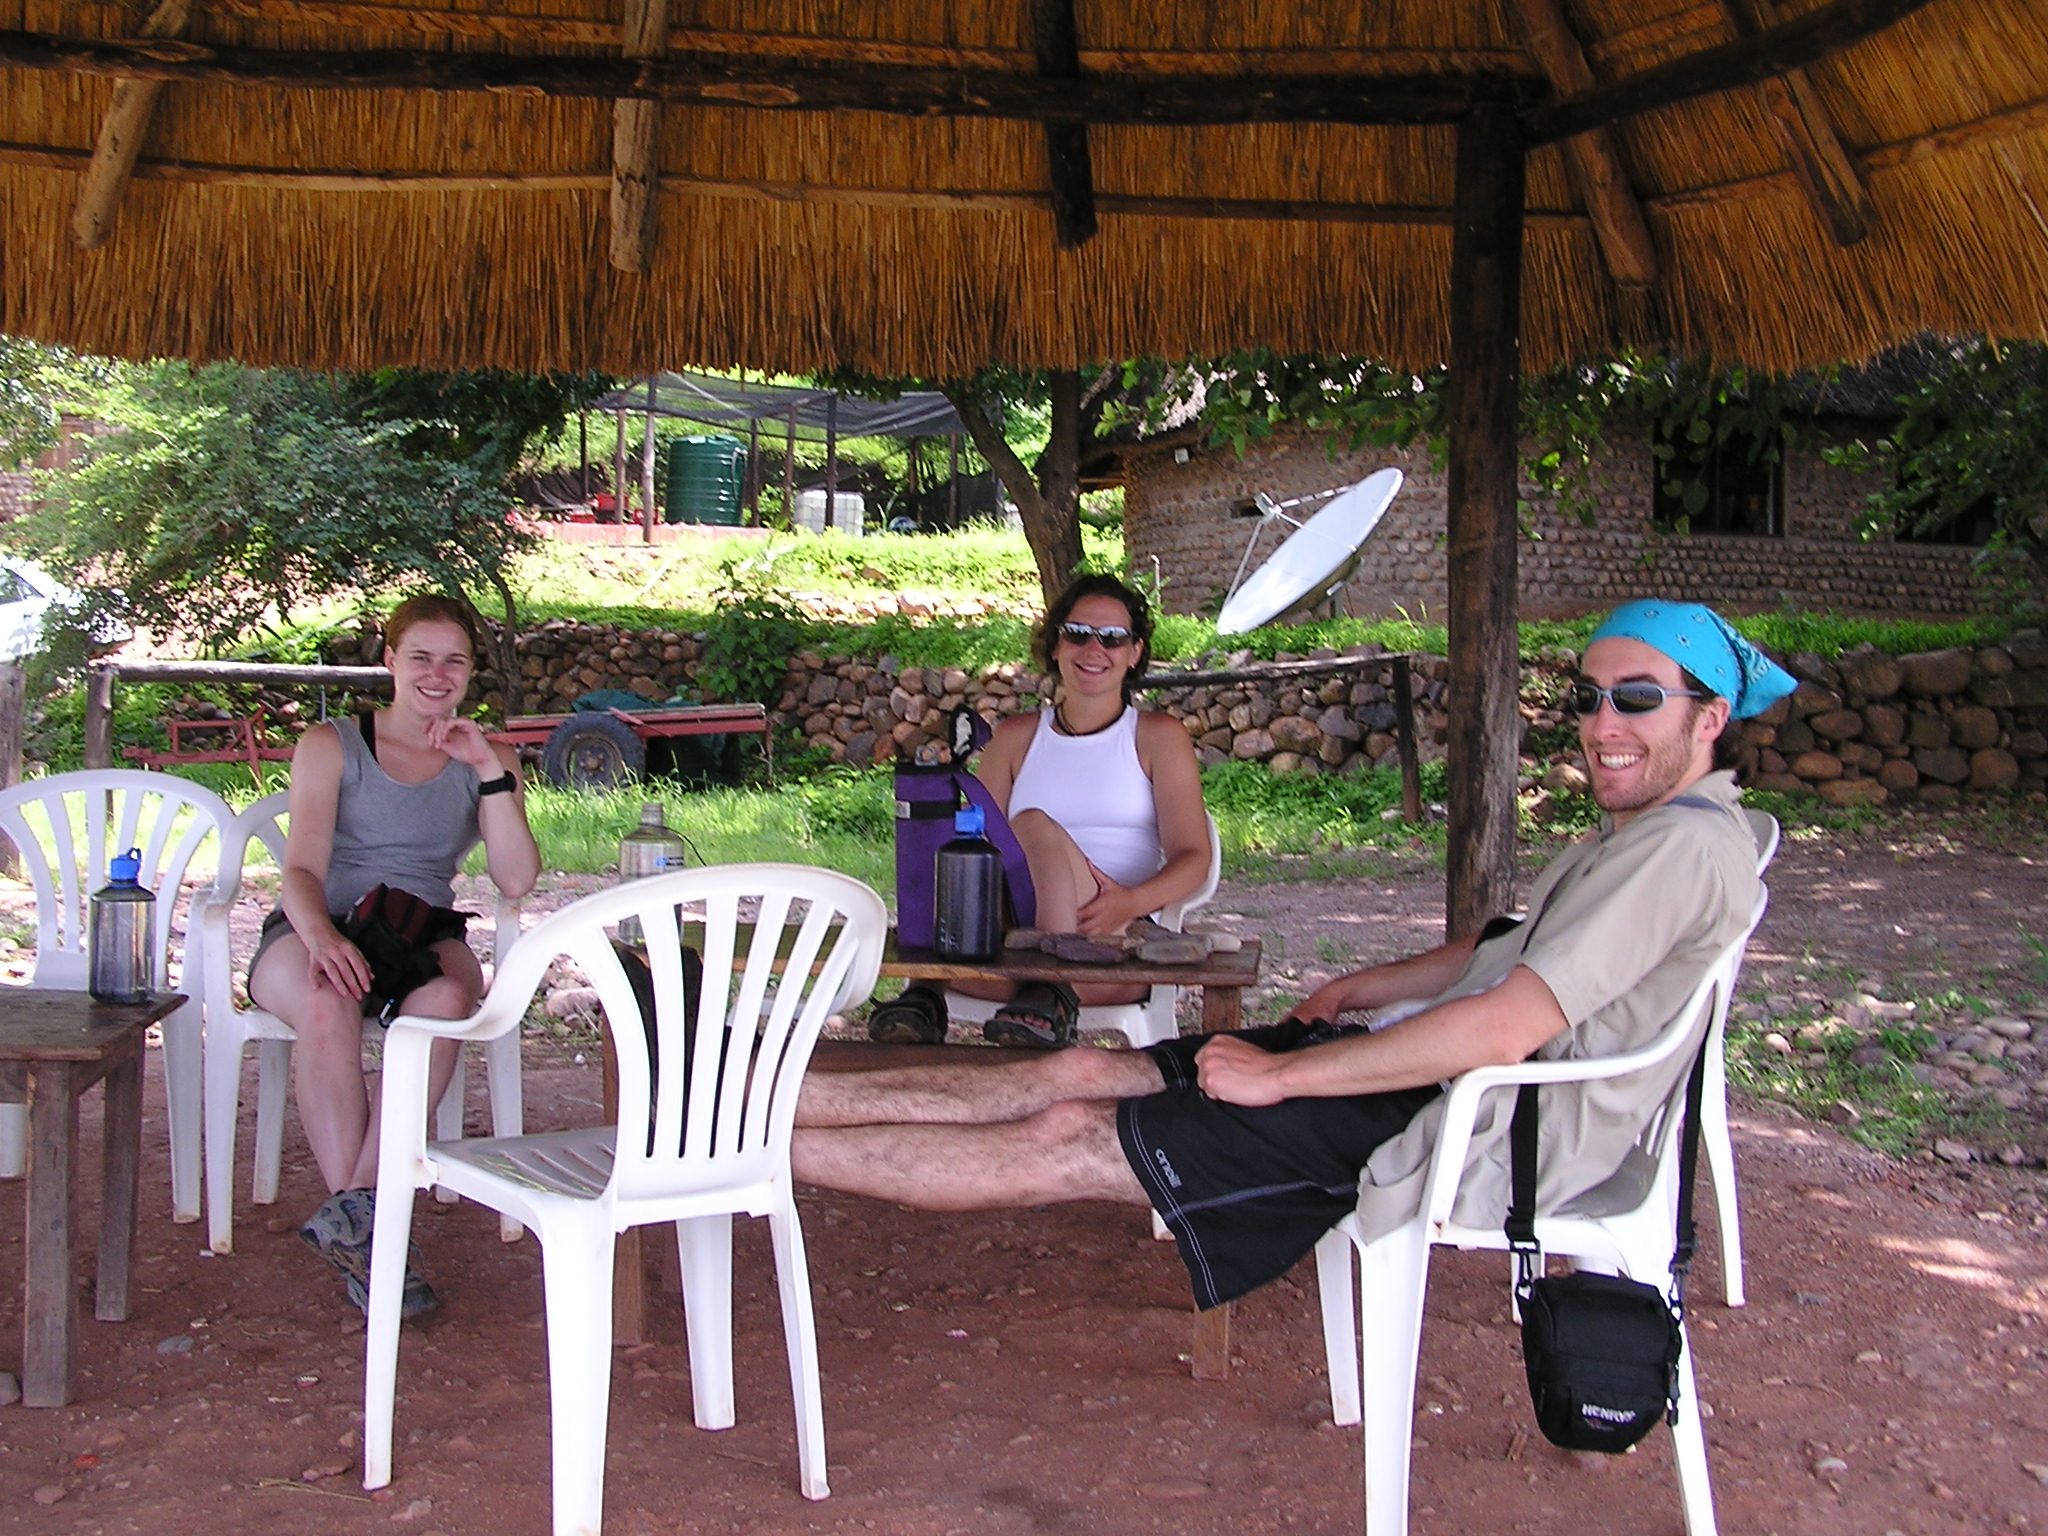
<point>409,836</point>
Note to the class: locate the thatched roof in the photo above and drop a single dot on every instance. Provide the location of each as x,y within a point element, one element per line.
<point>872,183</point>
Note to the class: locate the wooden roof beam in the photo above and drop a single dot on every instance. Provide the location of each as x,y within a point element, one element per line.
<point>1070,171</point>
<point>1594,156</point>
<point>1827,171</point>
<point>122,132</point>
<point>795,86</point>
<point>636,145</point>
<point>1807,39</point>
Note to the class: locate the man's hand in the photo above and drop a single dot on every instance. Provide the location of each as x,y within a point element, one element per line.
<point>1325,1003</point>
<point>1238,1072</point>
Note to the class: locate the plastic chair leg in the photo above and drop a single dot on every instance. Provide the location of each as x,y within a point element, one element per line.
<point>1720,1150</point>
<point>380,1343</point>
<point>223,1066</point>
<point>273,1078</point>
<point>704,1251</point>
<point>448,1115</point>
<point>1392,1273</point>
<point>577,1270</point>
<point>1340,1339</point>
<point>507,1088</point>
<point>1689,1450</point>
<point>183,1105</point>
<point>800,1337</point>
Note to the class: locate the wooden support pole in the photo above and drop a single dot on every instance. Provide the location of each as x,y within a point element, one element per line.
<point>619,469</point>
<point>583,451</point>
<point>122,132</point>
<point>753,490</point>
<point>832,461</point>
<point>647,469</point>
<point>99,716</point>
<point>636,145</point>
<point>13,726</point>
<point>1070,171</point>
<point>789,470</point>
<point>1486,320</point>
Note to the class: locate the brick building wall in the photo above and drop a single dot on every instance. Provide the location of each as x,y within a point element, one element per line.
<point>1188,517</point>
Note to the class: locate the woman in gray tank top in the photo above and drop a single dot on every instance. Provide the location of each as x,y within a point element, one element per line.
<point>395,801</point>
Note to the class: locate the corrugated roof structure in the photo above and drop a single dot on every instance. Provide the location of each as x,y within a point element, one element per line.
<point>815,413</point>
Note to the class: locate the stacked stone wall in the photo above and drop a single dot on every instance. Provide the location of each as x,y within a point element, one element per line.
<point>1863,728</point>
<point>1192,518</point>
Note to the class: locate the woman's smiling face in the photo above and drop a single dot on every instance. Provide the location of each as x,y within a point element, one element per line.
<point>1091,668</point>
<point>431,666</point>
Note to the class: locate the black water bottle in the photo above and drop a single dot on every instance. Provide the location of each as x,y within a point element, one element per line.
<point>969,891</point>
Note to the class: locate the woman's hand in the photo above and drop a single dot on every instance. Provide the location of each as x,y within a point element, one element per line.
<point>1238,1072</point>
<point>463,739</point>
<point>340,964</point>
<point>1112,908</point>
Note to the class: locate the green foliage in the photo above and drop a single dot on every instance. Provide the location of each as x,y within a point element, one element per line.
<point>1245,396</point>
<point>1968,448</point>
<point>226,495</point>
<point>1259,812</point>
<point>1897,1111</point>
<point>757,630</point>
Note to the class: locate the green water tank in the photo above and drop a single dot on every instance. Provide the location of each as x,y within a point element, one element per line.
<point>706,476</point>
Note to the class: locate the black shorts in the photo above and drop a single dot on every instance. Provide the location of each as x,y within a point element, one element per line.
<point>1247,1191</point>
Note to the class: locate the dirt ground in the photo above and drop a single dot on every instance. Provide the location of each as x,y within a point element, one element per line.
<point>1026,1372</point>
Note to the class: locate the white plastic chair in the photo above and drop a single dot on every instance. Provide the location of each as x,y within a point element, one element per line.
<point>1715,1139</point>
<point>1152,1018</point>
<point>230,1027</point>
<point>702,1143</point>
<point>1394,1268</point>
<point>67,826</point>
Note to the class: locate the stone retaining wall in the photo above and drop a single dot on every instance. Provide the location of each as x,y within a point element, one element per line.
<point>1862,729</point>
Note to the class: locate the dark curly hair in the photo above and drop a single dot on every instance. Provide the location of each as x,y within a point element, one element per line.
<point>1046,642</point>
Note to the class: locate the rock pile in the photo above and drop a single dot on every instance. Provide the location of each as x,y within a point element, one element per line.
<point>1862,728</point>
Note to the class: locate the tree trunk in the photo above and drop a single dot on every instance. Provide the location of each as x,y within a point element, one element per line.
<point>511,686</point>
<point>1051,509</point>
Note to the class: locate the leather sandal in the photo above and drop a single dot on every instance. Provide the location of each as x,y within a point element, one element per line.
<point>916,1017</point>
<point>1043,1016</point>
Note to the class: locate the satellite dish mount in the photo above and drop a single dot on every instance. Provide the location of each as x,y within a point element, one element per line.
<point>1315,561</point>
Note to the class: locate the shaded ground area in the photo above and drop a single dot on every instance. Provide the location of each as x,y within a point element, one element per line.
<point>1025,1372</point>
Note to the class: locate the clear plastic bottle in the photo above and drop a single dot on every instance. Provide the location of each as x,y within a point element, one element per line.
<point>121,939</point>
<point>969,881</point>
<point>648,849</point>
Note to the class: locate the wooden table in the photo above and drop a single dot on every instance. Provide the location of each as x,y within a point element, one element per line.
<point>53,1046</point>
<point>1221,979</point>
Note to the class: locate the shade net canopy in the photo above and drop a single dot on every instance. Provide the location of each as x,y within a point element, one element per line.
<point>815,413</point>
<point>911,189</point>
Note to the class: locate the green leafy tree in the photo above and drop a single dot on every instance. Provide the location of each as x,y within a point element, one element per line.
<point>225,495</point>
<point>1969,448</point>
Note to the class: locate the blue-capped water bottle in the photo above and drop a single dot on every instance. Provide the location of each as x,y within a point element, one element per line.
<point>969,891</point>
<point>120,938</point>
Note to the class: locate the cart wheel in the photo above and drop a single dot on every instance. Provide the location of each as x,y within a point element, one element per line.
<point>593,752</point>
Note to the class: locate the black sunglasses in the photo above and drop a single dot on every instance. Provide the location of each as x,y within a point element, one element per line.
<point>1627,698</point>
<point>1111,637</point>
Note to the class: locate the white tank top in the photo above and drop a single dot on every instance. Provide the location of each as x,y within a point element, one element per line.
<point>1095,787</point>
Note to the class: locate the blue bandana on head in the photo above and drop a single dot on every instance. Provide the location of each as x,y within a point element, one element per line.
<point>1701,641</point>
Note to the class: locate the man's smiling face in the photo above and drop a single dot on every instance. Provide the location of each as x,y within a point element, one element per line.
<point>1637,762</point>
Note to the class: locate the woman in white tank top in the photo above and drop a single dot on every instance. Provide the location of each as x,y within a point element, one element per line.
<point>1105,799</point>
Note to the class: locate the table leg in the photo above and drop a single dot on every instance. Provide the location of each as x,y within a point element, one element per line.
<point>49,1327</point>
<point>1212,1344</point>
<point>120,1171</point>
<point>1222,1010</point>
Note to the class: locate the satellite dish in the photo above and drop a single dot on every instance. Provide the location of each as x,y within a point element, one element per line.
<point>1317,558</point>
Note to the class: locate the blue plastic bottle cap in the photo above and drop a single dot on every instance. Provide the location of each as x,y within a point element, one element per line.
<point>125,868</point>
<point>968,821</point>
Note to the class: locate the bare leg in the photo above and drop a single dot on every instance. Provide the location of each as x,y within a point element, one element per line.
<point>1064,884</point>
<point>948,1094</point>
<point>327,1060</point>
<point>1068,1151</point>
